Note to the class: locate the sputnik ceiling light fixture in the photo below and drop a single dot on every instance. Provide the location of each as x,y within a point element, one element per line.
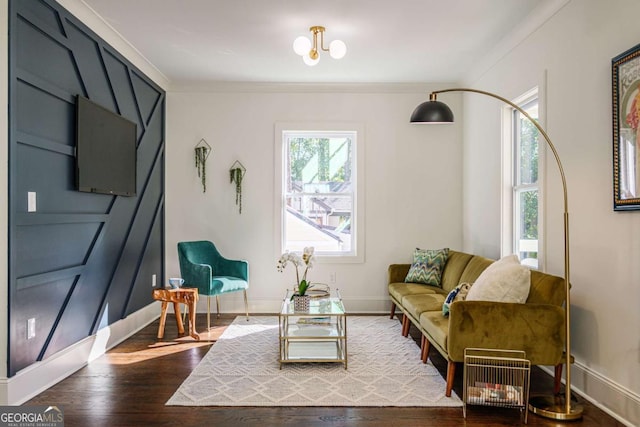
<point>310,50</point>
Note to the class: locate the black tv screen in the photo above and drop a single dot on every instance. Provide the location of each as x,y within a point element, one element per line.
<point>105,150</point>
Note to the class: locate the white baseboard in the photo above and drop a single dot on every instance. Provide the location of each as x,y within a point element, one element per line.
<point>614,399</point>
<point>38,377</point>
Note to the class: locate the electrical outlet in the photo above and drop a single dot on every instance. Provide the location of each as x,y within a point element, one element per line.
<point>332,277</point>
<point>153,280</point>
<point>31,328</point>
<point>31,201</point>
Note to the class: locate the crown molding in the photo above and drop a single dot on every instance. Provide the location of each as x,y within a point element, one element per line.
<point>267,87</point>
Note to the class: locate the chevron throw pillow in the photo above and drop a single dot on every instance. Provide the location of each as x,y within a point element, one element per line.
<point>427,266</point>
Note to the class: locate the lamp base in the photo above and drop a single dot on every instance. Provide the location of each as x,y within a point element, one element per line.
<point>554,407</point>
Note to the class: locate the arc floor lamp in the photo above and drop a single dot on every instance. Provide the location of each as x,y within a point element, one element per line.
<point>434,111</point>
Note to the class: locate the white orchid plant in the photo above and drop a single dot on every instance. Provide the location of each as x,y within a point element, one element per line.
<point>307,259</point>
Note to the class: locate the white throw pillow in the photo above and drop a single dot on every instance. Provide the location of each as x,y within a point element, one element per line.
<point>503,281</point>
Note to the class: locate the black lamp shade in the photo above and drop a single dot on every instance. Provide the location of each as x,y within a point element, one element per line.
<point>432,112</point>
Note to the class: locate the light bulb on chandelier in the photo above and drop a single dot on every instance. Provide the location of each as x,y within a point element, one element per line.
<point>302,45</point>
<point>307,59</point>
<point>310,50</point>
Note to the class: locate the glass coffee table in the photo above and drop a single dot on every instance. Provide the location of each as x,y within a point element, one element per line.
<point>318,334</point>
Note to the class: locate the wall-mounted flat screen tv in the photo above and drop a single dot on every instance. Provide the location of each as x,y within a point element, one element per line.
<point>105,150</point>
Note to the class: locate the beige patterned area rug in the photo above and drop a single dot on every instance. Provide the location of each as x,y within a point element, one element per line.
<point>384,369</point>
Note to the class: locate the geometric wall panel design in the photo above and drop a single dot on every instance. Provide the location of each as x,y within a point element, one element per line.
<point>81,261</point>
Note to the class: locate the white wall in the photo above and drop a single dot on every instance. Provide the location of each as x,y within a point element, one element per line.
<point>575,48</point>
<point>412,181</point>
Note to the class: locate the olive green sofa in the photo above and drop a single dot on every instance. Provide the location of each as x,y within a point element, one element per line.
<point>537,326</point>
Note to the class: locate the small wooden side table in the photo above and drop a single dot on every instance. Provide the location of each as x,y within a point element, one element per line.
<point>187,296</point>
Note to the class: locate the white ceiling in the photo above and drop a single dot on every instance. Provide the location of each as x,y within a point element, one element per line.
<point>401,41</point>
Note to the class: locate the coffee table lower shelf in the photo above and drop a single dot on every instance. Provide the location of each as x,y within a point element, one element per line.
<point>313,351</point>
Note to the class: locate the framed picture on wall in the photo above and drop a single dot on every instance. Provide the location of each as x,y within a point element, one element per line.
<point>625,78</point>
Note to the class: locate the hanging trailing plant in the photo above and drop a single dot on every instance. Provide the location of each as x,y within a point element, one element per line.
<point>201,158</point>
<point>235,175</point>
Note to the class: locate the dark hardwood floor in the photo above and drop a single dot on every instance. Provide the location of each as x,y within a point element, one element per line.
<point>131,383</point>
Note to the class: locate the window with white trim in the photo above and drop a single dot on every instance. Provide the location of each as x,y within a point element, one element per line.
<point>319,188</point>
<point>525,183</point>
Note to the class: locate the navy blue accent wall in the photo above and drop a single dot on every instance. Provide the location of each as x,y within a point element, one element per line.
<point>81,261</point>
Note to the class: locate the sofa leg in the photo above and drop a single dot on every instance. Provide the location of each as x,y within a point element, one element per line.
<point>451,373</point>
<point>425,345</point>
<point>393,310</point>
<point>557,379</point>
<point>406,324</point>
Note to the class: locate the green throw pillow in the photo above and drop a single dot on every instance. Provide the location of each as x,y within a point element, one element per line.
<point>427,266</point>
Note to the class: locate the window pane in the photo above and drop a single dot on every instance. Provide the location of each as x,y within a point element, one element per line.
<point>323,222</point>
<point>521,232</point>
<point>528,150</point>
<point>319,189</point>
<point>319,165</point>
<point>528,227</point>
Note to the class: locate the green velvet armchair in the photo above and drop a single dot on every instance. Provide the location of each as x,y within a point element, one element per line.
<point>202,267</point>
